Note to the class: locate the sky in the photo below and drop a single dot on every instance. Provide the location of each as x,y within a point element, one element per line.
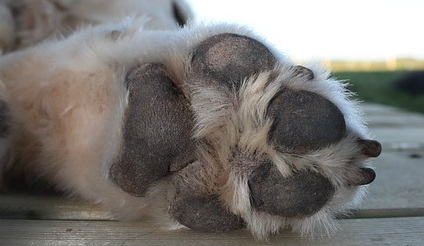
<point>328,29</point>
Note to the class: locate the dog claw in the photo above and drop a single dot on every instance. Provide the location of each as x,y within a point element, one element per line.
<point>370,148</point>
<point>301,71</point>
<point>364,177</point>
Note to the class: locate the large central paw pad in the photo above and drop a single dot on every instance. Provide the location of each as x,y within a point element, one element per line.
<point>212,181</point>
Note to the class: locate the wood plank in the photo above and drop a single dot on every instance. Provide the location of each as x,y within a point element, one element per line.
<point>393,231</point>
<point>27,207</point>
<point>49,207</point>
<point>391,125</point>
<point>399,182</point>
<point>386,213</point>
<point>400,167</point>
<point>378,115</point>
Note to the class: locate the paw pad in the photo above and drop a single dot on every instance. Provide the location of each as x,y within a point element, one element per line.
<point>227,59</point>
<point>300,195</point>
<point>157,130</point>
<point>304,121</point>
<point>204,213</point>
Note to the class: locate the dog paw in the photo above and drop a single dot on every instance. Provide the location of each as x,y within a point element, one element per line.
<point>245,140</point>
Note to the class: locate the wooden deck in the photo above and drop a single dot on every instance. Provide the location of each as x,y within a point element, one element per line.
<point>393,214</point>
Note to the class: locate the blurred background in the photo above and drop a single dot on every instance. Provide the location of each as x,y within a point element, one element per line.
<point>378,45</point>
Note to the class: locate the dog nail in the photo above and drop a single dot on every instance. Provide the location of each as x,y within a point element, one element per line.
<point>370,148</point>
<point>301,71</point>
<point>365,176</point>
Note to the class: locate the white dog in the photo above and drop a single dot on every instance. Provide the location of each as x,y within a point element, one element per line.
<point>205,126</point>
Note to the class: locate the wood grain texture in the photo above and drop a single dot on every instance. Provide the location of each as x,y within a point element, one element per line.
<point>48,207</point>
<point>399,182</point>
<point>391,125</point>
<point>389,231</point>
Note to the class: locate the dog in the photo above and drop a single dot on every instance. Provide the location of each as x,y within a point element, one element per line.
<point>137,106</point>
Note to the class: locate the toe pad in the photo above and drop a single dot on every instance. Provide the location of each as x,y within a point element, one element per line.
<point>302,194</point>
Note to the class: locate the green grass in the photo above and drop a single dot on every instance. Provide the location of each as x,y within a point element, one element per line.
<point>377,87</point>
